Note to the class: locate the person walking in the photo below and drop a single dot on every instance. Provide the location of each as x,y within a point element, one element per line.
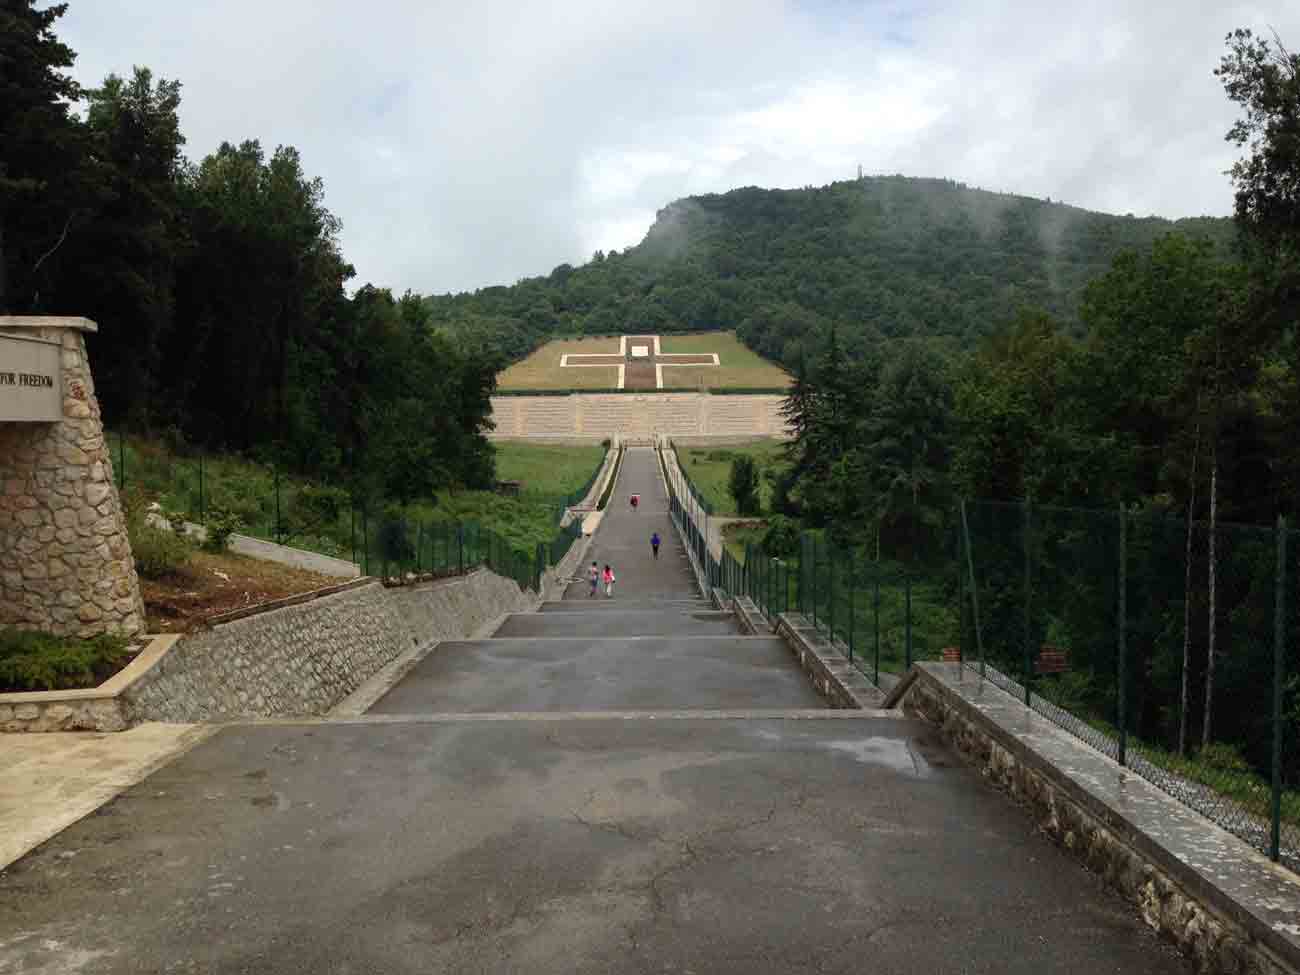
<point>593,577</point>
<point>609,581</point>
<point>654,543</point>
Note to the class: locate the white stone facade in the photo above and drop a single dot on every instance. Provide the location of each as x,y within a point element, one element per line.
<point>65,560</point>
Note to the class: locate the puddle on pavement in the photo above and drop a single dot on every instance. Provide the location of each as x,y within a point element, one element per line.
<point>892,753</point>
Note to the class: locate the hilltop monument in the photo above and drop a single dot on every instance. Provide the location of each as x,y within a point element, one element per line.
<point>640,361</point>
<point>65,559</point>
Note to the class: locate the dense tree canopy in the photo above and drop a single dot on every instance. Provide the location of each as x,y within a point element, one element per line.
<point>218,287</point>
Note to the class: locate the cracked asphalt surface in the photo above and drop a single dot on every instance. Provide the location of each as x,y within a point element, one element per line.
<point>679,845</point>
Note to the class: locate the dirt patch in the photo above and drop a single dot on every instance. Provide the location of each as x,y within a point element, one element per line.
<point>212,584</point>
<point>640,375</point>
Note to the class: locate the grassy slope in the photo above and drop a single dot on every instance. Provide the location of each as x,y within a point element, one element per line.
<point>542,370</point>
<point>155,473</point>
<point>548,470</point>
<point>710,469</point>
<point>740,366</point>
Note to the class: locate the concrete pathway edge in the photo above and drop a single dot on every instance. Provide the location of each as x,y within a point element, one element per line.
<point>1225,905</point>
<point>68,776</point>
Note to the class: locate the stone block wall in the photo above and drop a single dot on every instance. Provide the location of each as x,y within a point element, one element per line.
<point>303,659</point>
<point>603,415</point>
<point>65,560</point>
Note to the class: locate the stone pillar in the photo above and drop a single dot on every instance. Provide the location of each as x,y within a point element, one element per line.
<point>65,560</point>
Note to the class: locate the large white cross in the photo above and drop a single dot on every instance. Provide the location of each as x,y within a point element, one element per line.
<point>640,349</point>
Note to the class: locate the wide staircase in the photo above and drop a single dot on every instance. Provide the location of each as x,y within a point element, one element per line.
<point>654,645</point>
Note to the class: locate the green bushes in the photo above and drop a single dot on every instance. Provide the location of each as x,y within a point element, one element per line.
<point>218,527</point>
<point>743,485</point>
<point>159,552</point>
<point>41,662</point>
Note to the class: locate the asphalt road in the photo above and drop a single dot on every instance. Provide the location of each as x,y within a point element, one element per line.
<point>603,674</point>
<point>565,846</point>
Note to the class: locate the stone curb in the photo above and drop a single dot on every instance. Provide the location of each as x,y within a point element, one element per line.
<point>294,600</point>
<point>1225,905</point>
<point>82,709</point>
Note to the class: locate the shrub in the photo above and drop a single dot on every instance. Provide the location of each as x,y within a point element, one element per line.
<point>317,509</point>
<point>743,485</point>
<point>42,662</point>
<point>1223,758</point>
<point>219,526</point>
<point>158,552</point>
<point>782,537</point>
<point>394,536</point>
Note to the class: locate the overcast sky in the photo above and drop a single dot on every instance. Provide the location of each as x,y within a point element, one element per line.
<point>474,142</point>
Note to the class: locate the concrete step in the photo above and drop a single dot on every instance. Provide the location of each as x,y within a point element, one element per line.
<point>604,622</point>
<point>667,604</point>
<point>602,673</point>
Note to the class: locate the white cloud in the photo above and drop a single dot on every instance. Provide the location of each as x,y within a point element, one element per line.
<point>470,144</point>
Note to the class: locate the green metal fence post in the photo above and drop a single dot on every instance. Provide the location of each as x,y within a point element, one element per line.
<point>277,511</point>
<point>830,607</point>
<point>1122,623</point>
<point>907,591</point>
<point>365,540</point>
<point>814,581</point>
<point>419,547</point>
<point>202,511</point>
<point>961,607</point>
<point>352,509</point>
<point>460,548</point>
<point>1029,663</point>
<point>853,604</point>
<point>875,609</point>
<point>1279,638</point>
<point>121,461</point>
<point>974,590</point>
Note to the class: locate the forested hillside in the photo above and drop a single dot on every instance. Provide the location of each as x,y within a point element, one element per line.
<point>882,257</point>
<point>217,285</point>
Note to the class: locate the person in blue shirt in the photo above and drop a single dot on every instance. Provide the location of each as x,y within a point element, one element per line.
<point>654,543</point>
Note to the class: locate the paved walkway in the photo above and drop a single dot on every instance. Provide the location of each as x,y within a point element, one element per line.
<point>586,835</point>
<point>623,539</point>
<point>48,781</point>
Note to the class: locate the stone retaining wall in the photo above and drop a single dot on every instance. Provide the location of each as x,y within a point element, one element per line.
<point>302,659</point>
<point>600,415</point>
<point>1226,907</point>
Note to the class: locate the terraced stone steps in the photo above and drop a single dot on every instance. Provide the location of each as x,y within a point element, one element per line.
<point>602,673</point>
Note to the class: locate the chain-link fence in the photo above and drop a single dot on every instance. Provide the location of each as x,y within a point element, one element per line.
<point>395,541</point>
<point>1166,646</point>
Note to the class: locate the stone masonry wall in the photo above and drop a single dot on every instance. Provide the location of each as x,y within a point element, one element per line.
<point>303,659</point>
<point>65,561</point>
<point>1215,943</point>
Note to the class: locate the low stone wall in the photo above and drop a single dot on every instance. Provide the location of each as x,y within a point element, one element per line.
<point>1225,906</point>
<point>302,659</point>
<point>835,679</point>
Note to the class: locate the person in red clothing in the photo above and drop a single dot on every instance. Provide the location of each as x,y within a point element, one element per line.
<point>636,500</point>
<point>609,581</point>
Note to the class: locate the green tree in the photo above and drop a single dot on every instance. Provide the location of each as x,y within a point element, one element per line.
<point>743,485</point>
<point>120,268</point>
<point>42,148</point>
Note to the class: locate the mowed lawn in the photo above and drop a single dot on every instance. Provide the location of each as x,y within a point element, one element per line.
<point>710,469</point>
<point>547,470</point>
<point>541,370</point>
<point>740,366</point>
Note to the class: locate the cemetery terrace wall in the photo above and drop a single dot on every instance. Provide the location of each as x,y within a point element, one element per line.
<point>602,415</point>
<point>65,561</point>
